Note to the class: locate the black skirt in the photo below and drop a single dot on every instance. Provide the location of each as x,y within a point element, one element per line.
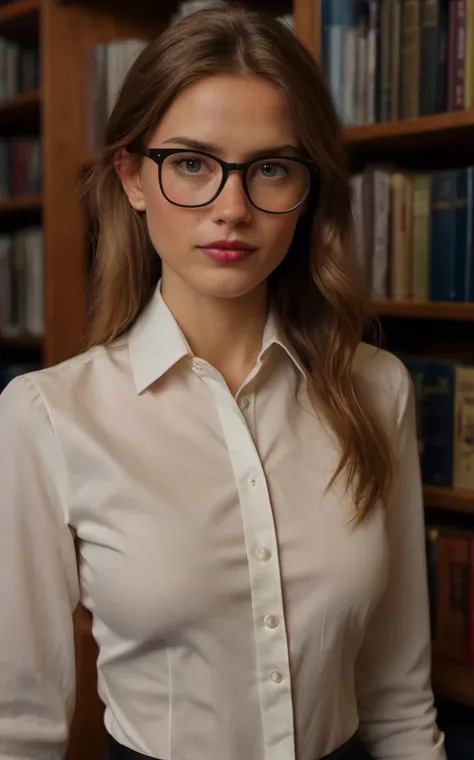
<point>353,749</point>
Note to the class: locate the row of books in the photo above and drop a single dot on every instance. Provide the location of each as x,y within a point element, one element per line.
<point>106,68</point>
<point>186,7</point>
<point>393,59</point>
<point>450,564</point>
<point>19,68</point>
<point>20,166</point>
<point>444,393</point>
<point>21,283</point>
<point>108,64</point>
<point>414,232</point>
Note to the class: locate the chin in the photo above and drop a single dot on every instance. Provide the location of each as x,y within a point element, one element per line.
<point>228,282</point>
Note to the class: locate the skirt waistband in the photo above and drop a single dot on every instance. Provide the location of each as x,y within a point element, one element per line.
<point>353,749</point>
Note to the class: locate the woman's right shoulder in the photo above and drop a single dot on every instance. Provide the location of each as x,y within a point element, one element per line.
<point>66,385</point>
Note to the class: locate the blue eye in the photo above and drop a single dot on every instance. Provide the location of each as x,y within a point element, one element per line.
<point>191,165</point>
<point>273,171</point>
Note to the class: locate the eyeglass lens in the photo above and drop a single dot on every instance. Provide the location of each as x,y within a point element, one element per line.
<point>274,184</point>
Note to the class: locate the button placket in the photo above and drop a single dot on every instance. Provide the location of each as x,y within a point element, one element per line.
<point>265,579</point>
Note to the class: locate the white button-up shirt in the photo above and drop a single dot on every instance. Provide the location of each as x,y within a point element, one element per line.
<point>239,613</point>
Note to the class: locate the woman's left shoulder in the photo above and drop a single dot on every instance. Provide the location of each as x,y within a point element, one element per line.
<point>383,377</point>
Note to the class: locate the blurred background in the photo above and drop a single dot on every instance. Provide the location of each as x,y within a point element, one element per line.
<point>401,73</point>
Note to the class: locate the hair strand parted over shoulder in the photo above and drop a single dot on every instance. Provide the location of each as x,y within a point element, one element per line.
<point>316,291</point>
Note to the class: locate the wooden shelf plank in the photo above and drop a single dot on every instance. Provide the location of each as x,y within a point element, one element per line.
<point>22,341</point>
<point>448,498</point>
<point>20,115</point>
<point>453,680</point>
<point>20,203</point>
<point>18,8</point>
<point>20,101</point>
<point>425,309</point>
<point>399,130</point>
<point>19,19</point>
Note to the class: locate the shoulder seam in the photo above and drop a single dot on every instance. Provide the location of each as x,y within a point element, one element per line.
<point>67,488</point>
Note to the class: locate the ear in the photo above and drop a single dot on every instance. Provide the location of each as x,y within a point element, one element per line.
<point>129,174</point>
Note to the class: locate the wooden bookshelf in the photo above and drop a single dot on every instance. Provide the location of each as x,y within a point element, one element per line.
<point>447,498</point>
<point>21,113</point>
<point>19,19</point>
<point>30,342</point>
<point>425,310</point>
<point>412,131</point>
<point>453,680</point>
<point>20,203</point>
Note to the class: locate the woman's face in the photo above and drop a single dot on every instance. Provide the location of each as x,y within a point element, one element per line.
<point>236,118</point>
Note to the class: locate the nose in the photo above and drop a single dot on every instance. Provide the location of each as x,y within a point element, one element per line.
<point>232,205</point>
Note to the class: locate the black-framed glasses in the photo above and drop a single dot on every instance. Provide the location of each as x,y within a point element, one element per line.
<point>194,178</point>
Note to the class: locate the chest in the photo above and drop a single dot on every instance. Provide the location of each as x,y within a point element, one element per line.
<point>170,514</point>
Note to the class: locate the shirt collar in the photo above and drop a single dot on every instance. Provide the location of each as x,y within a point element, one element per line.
<point>156,342</point>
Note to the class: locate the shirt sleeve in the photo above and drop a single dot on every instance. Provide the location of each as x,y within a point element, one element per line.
<point>396,706</point>
<point>39,588</point>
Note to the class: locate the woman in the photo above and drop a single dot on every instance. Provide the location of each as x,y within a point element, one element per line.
<point>239,469</point>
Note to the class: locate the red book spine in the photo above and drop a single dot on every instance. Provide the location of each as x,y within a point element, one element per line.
<point>460,65</point>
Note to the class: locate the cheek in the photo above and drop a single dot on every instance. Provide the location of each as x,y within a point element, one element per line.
<point>277,233</point>
<point>169,226</point>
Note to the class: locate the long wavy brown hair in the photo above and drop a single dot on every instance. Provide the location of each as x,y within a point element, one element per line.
<point>316,291</point>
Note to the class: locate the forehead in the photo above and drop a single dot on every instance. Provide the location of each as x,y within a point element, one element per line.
<point>236,113</point>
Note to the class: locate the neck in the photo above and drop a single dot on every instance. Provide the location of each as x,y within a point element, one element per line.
<point>225,332</point>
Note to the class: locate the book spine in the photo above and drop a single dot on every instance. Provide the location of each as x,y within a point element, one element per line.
<point>429,22</point>
<point>460,54</point>
<point>452,622</point>
<point>432,537</point>
<point>437,422</point>
<point>373,48</point>
<point>337,18</point>
<point>421,235</point>
<point>349,76</point>
<point>410,59</point>
<point>461,242</point>
<point>361,62</point>
<point>381,221</point>
<point>441,60</point>
<point>469,262</point>
<point>452,54</point>
<point>396,31</point>
<point>443,225</point>
<point>368,216</point>
<point>469,57</point>
<point>385,96</point>
<point>464,429</point>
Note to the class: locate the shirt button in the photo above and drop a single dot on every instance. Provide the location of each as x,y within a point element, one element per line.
<point>253,482</point>
<point>263,555</point>
<point>277,676</point>
<point>244,403</point>
<point>271,621</point>
<point>196,365</point>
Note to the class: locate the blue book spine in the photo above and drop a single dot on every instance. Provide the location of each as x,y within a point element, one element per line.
<point>336,18</point>
<point>416,368</point>
<point>469,264</point>
<point>437,422</point>
<point>461,241</point>
<point>449,220</point>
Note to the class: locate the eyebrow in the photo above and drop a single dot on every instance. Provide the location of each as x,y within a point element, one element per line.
<point>272,150</point>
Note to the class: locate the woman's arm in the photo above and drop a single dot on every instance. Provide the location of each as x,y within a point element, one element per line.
<point>398,720</point>
<point>38,582</point>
